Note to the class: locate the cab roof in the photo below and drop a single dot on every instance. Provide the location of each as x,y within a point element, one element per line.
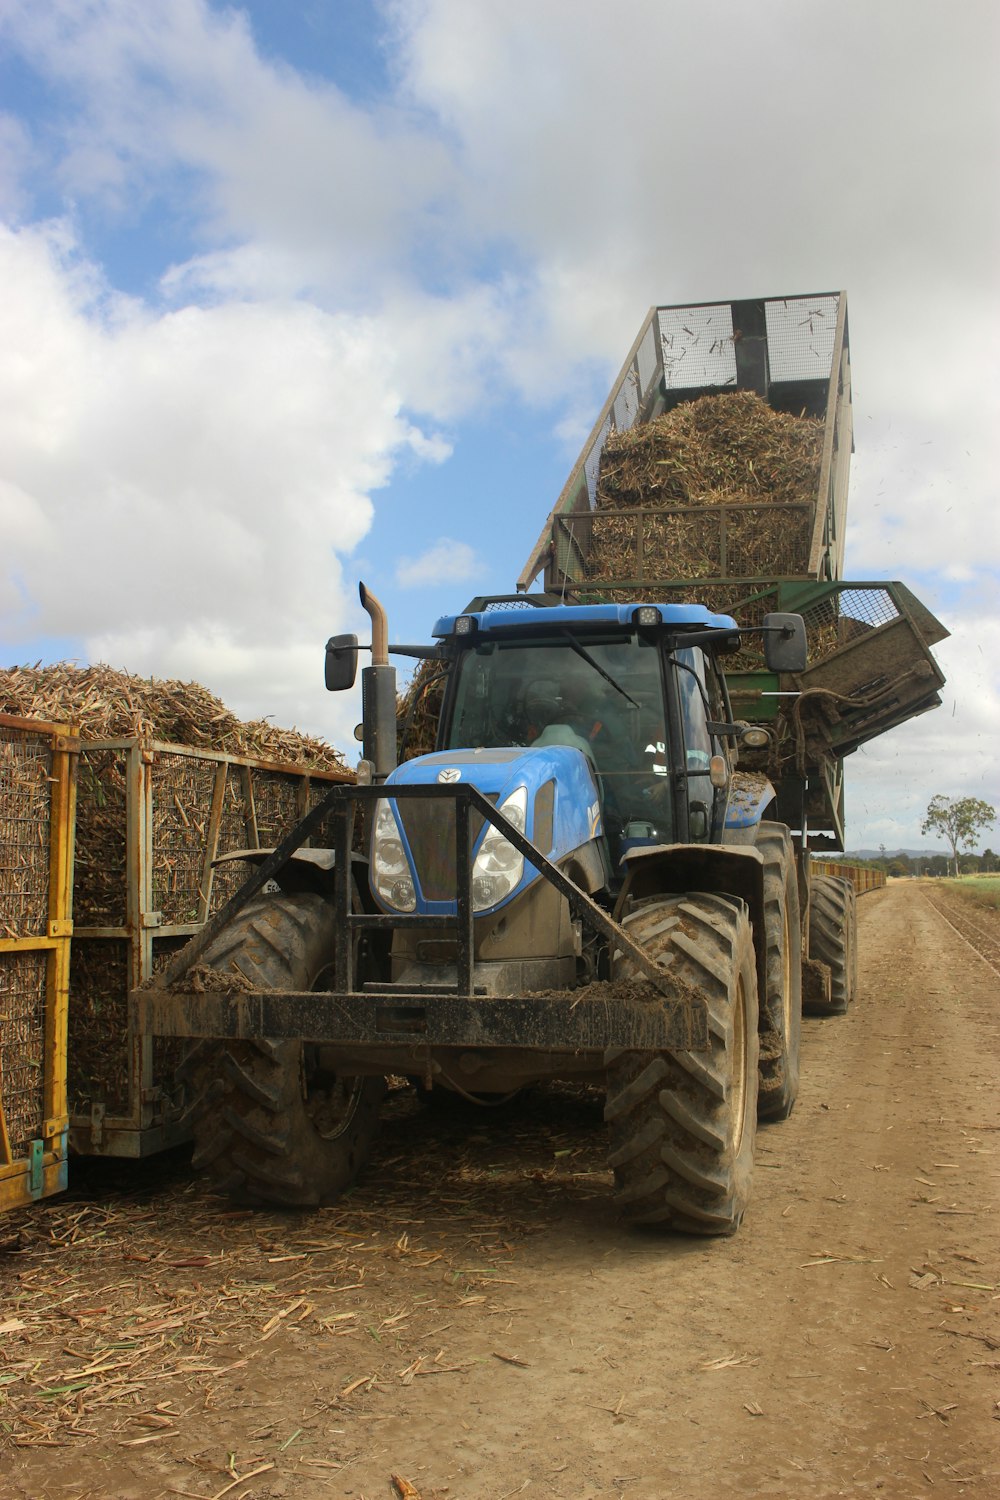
<point>511,616</point>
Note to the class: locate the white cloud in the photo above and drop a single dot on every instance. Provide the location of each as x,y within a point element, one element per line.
<point>194,476</point>
<point>447,561</point>
<point>270,170</point>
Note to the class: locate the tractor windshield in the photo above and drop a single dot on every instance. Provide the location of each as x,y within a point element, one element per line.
<point>606,700</point>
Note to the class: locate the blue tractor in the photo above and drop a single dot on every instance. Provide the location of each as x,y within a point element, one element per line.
<point>601,871</point>
<point>577,883</point>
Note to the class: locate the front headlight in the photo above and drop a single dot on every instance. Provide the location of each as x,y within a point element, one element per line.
<point>390,871</point>
<point>499,866</point>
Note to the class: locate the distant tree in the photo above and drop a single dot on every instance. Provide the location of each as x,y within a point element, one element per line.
<point>987,862</point>
<point>959,819</point>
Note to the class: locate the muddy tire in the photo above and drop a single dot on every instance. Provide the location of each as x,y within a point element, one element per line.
<point>682,1124</point>
<point>270,1125</point>
<point>781,1006</point>
<point>833,941</point>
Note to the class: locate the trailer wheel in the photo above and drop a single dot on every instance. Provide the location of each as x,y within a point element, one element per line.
<point>682,1124</point>
<point>781,1007</point>
<point>833,940</point>
<point>270,1124</point>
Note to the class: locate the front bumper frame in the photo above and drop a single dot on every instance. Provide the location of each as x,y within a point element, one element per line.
<point>649,1013</point>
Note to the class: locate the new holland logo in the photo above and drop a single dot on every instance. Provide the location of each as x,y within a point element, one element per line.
<point>450,774</point>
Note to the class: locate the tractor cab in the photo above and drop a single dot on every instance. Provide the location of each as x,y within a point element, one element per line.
<point>620,686</point>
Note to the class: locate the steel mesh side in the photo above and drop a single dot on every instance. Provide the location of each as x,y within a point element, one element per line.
<point>182,805</point>
<point>22,1045</point>
<point>697,346</point>
<point>710,541</point>
<point>869,607</point>
<point>842,615</point>
<point>100,866</point>
<point>99,1061</point>
<point>235,832</point>
<point>801,333</point>
<point>25,833</point>
<point>276,802</point>
<point>168,1051</point>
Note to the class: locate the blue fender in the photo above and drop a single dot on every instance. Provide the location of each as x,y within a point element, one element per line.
<point>749,795</point>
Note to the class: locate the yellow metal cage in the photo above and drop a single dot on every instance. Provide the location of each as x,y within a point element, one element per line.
<point>37,815</point>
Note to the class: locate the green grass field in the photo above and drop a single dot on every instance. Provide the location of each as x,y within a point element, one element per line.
<point>978,890</point>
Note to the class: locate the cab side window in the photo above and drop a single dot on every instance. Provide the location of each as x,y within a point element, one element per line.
<point>695,713</point>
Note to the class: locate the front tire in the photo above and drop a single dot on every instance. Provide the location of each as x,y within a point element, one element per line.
<point>683,1124</point>
<point>271,1125</point>
<point>833,941</point>
<point>781,1008</point>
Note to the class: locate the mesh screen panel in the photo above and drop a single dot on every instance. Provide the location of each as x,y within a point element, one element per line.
<point>22,1046</point>
<point>25,766</point>
<point>100,891</point>
<point>276,802</point>
<point>709,541</point>
<point>234,833</point>
<point>168,1051</point>
<point>697,346</point>
<point>182,802</point>
<point>800,337</point>
<point>99,1057</point>
<point>626,405</point>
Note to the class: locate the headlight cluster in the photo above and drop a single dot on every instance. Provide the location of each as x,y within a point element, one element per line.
<point>499,866</point>
<point>390,869</point>
<point>497,870</point>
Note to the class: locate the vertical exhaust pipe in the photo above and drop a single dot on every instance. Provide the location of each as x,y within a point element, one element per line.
<point>378,694</point>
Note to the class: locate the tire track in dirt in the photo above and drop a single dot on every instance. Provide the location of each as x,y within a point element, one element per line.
<point>979,937</point>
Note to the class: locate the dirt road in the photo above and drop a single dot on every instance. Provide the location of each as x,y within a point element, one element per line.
<point>477,1324</point>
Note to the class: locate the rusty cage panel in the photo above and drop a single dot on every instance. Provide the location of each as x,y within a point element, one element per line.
<point>37,802</point>
<point>151,820</point>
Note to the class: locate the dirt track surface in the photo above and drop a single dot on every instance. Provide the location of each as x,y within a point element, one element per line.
<point>477,1324</point>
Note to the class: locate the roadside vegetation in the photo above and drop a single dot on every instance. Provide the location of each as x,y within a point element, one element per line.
<point>977,890</point>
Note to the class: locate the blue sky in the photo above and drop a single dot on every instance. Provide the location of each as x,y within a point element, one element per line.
<point>300,293</point>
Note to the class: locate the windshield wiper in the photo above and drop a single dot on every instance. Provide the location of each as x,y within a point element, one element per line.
<point>582,651</point>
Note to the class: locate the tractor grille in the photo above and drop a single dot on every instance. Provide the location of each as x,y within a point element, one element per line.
<point>429,825</point>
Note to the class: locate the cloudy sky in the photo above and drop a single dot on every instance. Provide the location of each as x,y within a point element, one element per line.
<point>297,292</point>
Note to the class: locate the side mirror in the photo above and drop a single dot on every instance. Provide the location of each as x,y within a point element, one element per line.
<point>341,662</point>
<point>785,643</point>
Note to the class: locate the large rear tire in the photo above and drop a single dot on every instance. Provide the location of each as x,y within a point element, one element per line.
<point>781,1008</point>
<point>682,1124</point>
<point>270,1124</point>
<point>833,940</point>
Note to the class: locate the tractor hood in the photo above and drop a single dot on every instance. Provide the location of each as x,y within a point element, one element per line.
<point>548,792</point>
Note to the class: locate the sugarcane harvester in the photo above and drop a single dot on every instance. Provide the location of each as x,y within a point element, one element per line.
<point>600,871</point>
